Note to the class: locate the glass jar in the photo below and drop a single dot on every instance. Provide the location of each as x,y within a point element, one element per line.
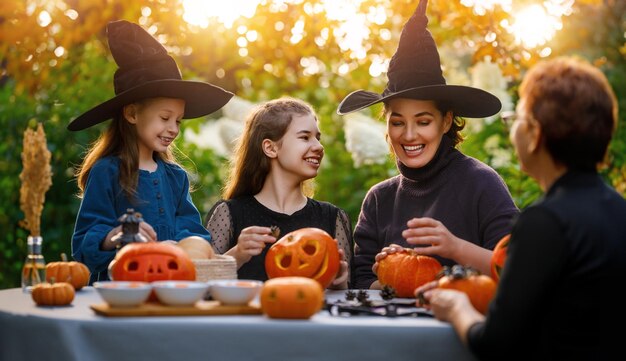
<point>34,269</point>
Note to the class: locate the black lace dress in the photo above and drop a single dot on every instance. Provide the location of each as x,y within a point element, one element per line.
<point>227,218</point>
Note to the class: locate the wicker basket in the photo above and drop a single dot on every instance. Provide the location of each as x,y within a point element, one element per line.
<point>219,268</point>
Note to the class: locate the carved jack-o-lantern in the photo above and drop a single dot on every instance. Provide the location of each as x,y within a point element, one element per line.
<point>291,297</point>
<point>306,252</point>
<point>151,261</point>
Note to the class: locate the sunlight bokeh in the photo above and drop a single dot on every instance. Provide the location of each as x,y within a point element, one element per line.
<point>534,26</point>
<point>201,12</point>
<point>351,32</point>
<point>481,7</point>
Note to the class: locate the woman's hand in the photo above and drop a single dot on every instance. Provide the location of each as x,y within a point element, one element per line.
<point>251,242</point>
<point>391,249</point>
<point>420,293</point>
<point>449,306</point>
<point>432,238</point>
<point>445,303</point>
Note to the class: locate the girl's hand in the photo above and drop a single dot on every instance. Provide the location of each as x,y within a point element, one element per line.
<point>432,234</point>
<point>341,280</point>
<point>111,241</point>
<point>147,232</point>
<point>113,238</point>
<point>392,248</point>
<point>251,242</point>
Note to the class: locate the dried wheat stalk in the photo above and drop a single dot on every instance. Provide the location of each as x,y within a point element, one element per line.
<point>36,178</point>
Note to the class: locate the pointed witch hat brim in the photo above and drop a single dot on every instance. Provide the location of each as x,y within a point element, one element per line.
<point>145,70</point>
<point>415,73</point>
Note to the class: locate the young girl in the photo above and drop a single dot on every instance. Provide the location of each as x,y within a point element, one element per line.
<point>132,165</point>
<point>278,151</point>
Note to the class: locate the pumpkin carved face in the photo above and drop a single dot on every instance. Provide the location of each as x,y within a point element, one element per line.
<point>291,297</point>
<point>498,257</point>
<point>306,252</point>
<point>151,261</point>
<point>405,271</point>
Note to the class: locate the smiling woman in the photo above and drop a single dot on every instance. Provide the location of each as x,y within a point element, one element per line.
<point>420,207</point>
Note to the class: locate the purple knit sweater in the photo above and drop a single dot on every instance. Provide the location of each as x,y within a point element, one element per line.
<point>466,195</point>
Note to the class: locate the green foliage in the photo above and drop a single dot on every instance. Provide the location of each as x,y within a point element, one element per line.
<point>65,99</point>
<point>12,247</point>
<point>207,172</point>
<point>523,189</point>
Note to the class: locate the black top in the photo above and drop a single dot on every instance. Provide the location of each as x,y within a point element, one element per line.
<point>559,295</point>
<point>464,194</point>
<point>226,223</point>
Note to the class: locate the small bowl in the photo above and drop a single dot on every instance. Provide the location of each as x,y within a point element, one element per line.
<point>123,293</point>
<point>235,292</point>
<point>179,293</point>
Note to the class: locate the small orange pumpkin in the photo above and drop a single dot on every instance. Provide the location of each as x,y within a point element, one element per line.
<point>53,294</point>
<point>479,288</point>
<point>291,297</point>
<point>405,271</point>
<point>306,252</point>
<point>74,273</point>
<point>499,256</point>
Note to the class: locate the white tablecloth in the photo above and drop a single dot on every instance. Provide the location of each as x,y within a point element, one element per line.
<point>28,332</point>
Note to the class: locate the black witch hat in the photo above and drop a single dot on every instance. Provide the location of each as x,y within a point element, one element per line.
<point>415,73</point>
<point>145,70</point>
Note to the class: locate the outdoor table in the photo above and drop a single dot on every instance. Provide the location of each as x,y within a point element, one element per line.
<point>76,332</point>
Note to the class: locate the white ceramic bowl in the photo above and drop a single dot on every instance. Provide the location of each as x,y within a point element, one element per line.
<point>235,292</point>
<point>123,293</point>
<point>179,293</point>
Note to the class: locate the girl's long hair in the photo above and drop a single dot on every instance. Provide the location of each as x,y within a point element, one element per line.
<point>250,166</point>
<point>120,140</point>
